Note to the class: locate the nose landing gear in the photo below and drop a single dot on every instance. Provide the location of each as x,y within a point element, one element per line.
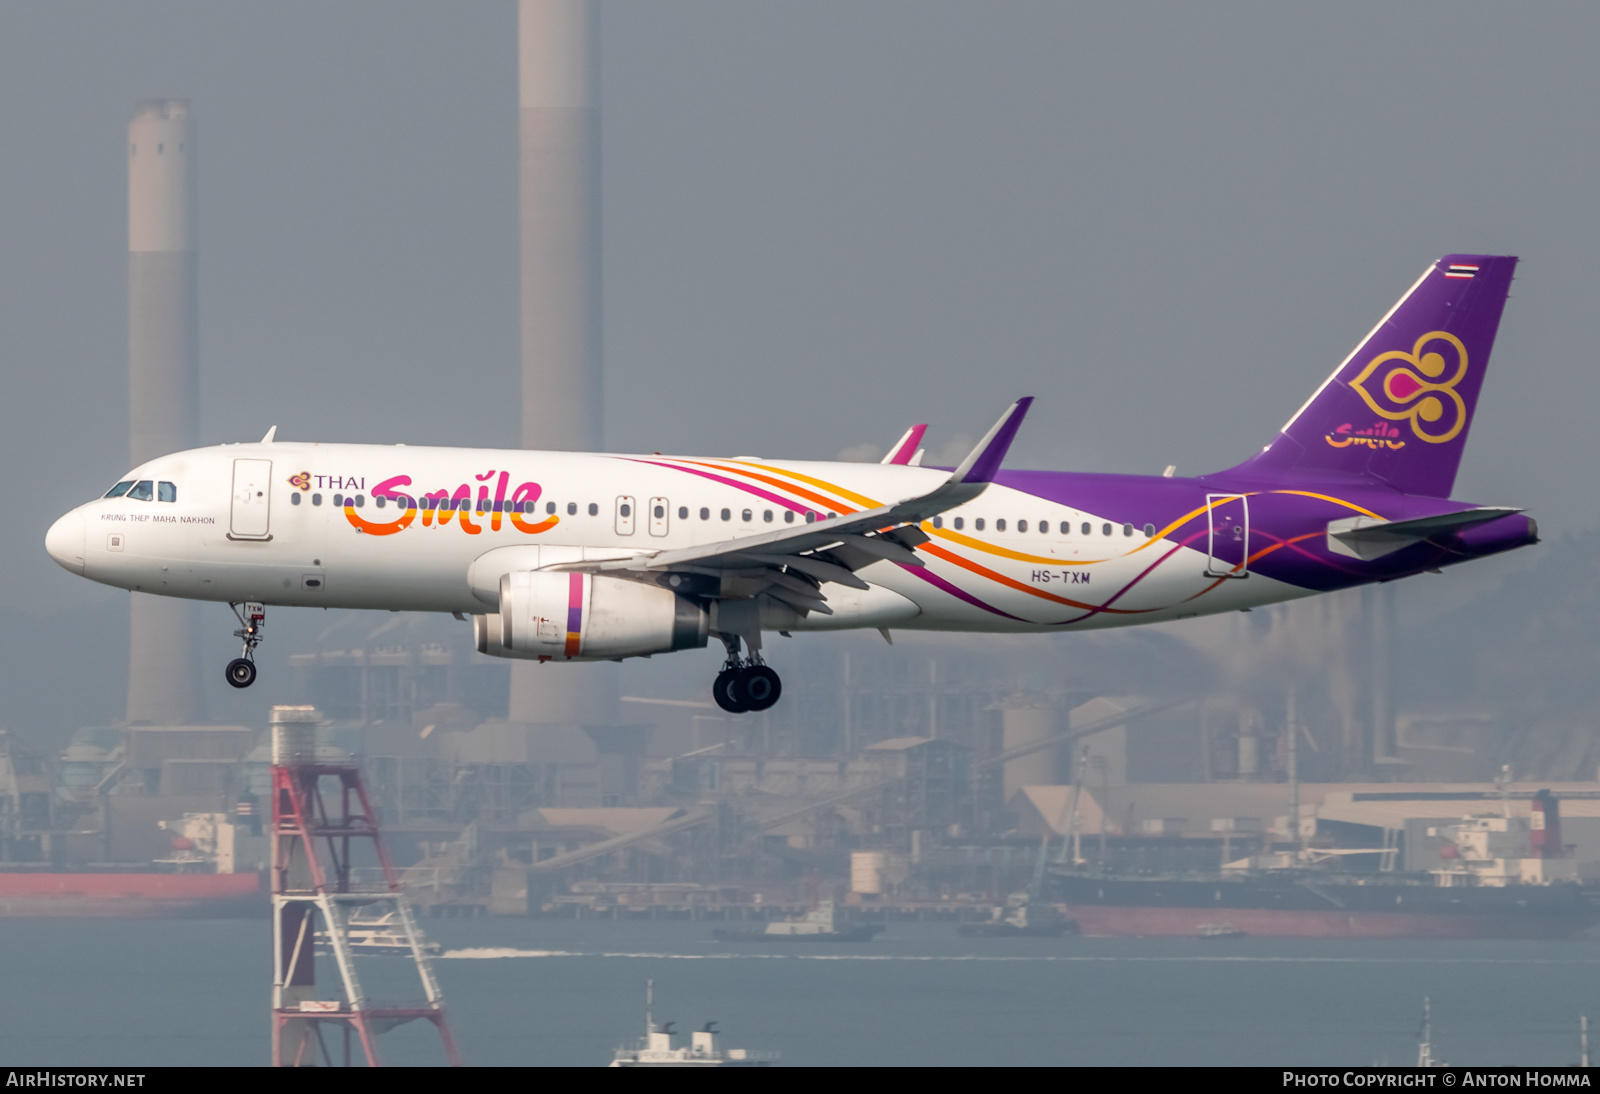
<point>745,685</point>
<point>241,671</point>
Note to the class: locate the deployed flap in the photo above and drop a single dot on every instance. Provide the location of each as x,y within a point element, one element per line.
<point>1366,538</point>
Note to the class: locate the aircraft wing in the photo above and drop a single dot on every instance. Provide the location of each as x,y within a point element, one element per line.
<point>793,563</point>
<point>1367,539</point>
<point>906,447</point>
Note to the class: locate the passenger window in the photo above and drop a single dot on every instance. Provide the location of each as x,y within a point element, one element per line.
<point>683,512</point>
<point>1086,528</point>
<point>958,522</point>
<point>727,514</point>
<point>1105,529</point>
<point>166,491</point>
<point>660,511</point>
<point>1066,527</point>
<point>766,515</point>
<point>572,508</point>
<point>361,500</point>
<point>142,490</point>
<point>978,524</point>
<point>627,511</point>
<point>788,516</point>
<point>378,501</point>
<point>1150,531</point>
<point>705,514</point>
<point>811,516</point>
<point>1022,526</point>
<point>746,516</point>
<point>550,508</point>
<point>294,498</point>
<point>1044,527</point>
<point>120,489</point>
<point>938,522</point>
<point>338,499</point>
<point>1127,529</point>
<point>316,499</point>
<point>594,510</point>
<point>1000,525</point>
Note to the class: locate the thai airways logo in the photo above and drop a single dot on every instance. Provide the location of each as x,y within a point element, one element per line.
<point>301,481</point>
<point>1419,387</point>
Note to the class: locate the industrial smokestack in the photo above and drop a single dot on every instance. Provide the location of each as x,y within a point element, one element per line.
<point>560,226</point>
<point>560,214</point>
<point>163,383</point>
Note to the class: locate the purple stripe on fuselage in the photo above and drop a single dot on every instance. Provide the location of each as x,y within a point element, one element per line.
<point>960,594</point>
<point>1289,515</point>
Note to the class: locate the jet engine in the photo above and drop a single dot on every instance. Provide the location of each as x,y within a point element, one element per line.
<point>586,617</point>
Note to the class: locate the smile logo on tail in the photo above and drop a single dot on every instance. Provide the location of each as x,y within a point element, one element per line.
<point>1419,387</point>
<point>301,481</point>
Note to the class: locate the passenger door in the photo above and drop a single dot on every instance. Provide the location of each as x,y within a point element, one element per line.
<point>625,515</point>
<point>1229,535</point>
<point>659,510</point>
<point>252,500</point>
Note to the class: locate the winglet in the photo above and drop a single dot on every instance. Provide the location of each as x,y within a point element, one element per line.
<point>984,460</point>
<point>906,446</point>
<point>271,433</point>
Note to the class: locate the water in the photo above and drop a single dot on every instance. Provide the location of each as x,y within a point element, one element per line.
<point>537,992</point>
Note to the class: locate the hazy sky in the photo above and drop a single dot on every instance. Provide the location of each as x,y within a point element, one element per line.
<point>822,221</point>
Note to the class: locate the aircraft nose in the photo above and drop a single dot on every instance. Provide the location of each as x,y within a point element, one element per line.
<point>65,539</point>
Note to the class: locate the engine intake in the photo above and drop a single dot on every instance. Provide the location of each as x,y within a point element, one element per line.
<point>585,617</point>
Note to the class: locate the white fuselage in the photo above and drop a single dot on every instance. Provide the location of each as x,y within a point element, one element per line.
<point>366,526</point>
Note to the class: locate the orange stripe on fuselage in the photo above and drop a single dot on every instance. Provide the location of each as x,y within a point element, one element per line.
<point>983,571</point>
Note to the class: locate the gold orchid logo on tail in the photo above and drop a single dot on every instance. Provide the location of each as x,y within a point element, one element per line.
<point>1419,387</point>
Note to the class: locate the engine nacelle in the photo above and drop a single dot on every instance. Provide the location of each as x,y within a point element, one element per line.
<point>585,617</point>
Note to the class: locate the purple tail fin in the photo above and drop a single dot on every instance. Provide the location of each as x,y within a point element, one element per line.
<point>1399,408</point>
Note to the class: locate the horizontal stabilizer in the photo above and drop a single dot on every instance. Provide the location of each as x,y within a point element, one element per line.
<point>1366,538</point>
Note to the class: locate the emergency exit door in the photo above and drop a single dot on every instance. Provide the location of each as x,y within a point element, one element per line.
<point>252,500</point>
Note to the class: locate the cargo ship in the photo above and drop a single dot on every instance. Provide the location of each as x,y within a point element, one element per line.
<point>213,871</point>
<point>124,893</point>
<point>1501,877</point>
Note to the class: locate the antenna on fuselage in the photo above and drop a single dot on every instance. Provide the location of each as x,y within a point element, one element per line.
<point>271,433</point>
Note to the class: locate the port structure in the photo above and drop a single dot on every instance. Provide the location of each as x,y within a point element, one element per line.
<point>320,813</point>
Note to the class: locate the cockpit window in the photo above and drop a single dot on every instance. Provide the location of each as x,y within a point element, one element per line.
<point>120,489</point>
<point>142,490</point>
<point>167,491</point>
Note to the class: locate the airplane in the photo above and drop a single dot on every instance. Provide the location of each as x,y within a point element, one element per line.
<point>564,556</point>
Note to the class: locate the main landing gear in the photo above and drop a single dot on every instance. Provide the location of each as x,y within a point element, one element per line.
<point>241,671</point>
<point>745,685</point>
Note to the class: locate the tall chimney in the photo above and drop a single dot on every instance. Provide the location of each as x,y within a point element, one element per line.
<point>163,383</point>
<point>559,204</point>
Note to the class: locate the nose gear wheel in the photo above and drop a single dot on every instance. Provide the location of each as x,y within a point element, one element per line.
<point>241,671</point>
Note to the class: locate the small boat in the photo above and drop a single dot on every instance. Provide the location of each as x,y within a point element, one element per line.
<point>1017,919</point>
<point>656,1048</point>
<point>1218,930</point>
<point>820,924</point>
<point>380,936</point>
